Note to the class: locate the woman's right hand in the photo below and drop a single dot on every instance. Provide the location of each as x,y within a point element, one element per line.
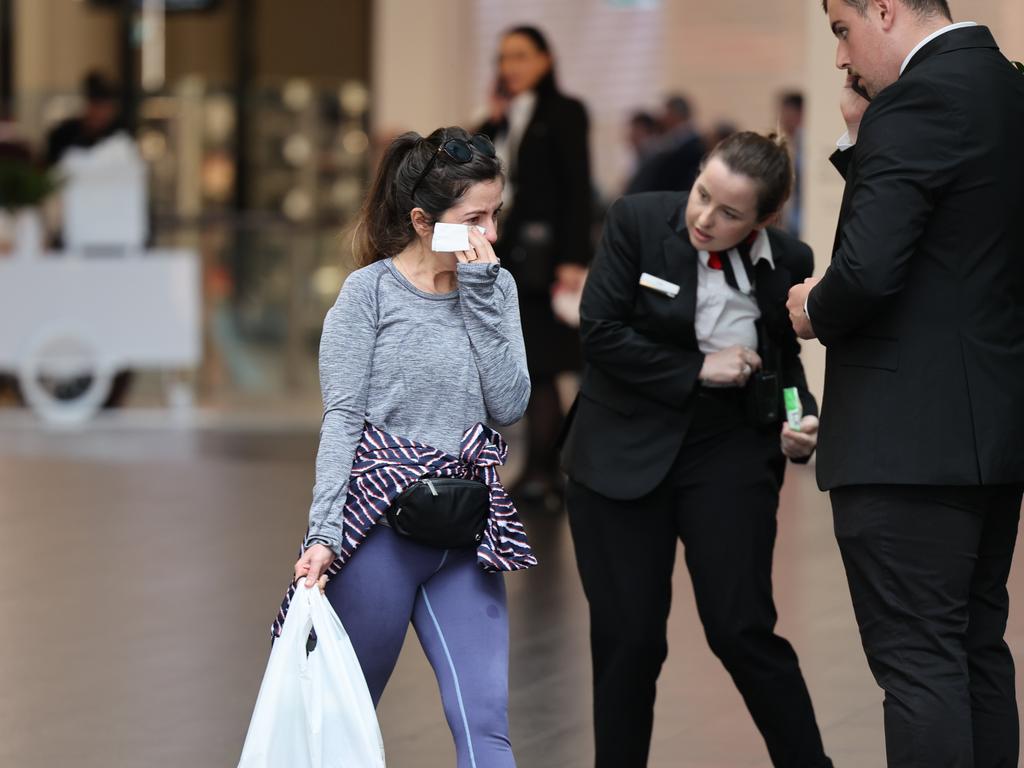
<point>730,367</point>
<point>314,564</point>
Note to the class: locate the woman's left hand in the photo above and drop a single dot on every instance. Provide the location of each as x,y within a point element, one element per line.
<point>800,445</point>
<point>570,277</point>
<point>482,252</point>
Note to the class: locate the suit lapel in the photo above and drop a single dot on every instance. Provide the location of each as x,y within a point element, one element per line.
<point>771,290</point>
<point>681,268</point>
<point>772,286</point>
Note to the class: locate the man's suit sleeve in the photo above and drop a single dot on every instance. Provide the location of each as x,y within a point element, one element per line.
<point>793,374</point>
<point>907,153</point>
<point>662,372</point>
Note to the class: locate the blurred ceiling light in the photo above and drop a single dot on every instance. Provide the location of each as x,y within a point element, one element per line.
<point>191,86</point>
<point>218,176</point>
<point>158,108</point>
<point>297,94</point>
<point>346,192</point>
<point>326,281</point>
<point>152,145</point>
<point>219,118</point>
<point>297,205</point>
<point>354,97</point>
<point>355,142</point>
<point>297,149</point>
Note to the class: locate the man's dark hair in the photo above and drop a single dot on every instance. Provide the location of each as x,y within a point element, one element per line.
<point>644,120</point>
<point>679,106</point>
<point>766,160</point>
<point>922,7</point>
<point>385,226</point>
<point>96,87</point>
<point>793,99</point>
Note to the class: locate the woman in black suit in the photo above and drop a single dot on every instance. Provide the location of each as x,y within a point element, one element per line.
<point>541,135</point>
<point>679,434</point>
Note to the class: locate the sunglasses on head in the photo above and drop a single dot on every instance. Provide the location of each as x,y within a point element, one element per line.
<point>459,151</point>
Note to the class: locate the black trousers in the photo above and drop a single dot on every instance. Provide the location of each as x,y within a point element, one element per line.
<point>720,500</point>
<point>927,568</point>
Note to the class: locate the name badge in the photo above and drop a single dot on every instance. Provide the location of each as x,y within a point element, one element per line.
<point>663,287</point>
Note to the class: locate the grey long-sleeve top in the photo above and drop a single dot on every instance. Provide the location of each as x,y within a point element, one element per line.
<point>418,365</point>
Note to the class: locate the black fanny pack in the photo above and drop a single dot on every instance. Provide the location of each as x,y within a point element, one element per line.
<point>446,512</point>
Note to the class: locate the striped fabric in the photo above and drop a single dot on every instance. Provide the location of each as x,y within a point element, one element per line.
<point>385,466</point>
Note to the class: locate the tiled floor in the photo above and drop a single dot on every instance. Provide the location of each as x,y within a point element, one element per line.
<point>140,567</point>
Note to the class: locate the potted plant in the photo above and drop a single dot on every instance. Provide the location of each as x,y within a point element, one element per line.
<point>23,188</point>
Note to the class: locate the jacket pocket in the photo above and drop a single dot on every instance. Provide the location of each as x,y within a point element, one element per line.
<point>605,395</point>
<point>867,352</point>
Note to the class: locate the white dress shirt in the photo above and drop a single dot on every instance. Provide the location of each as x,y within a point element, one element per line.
<point>725,316</point>
<point>520,112</point>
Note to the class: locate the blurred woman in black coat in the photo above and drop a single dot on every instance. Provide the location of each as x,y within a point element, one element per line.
<point>546,244</point>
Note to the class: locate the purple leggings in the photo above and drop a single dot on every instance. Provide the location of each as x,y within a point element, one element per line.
<point>461,619</point>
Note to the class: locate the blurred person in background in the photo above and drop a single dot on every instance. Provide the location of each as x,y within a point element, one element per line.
<point>542,135</point>
<point>720,131</point>
<point>675,162</point>
<point>679,434</point>
<point>419,350</point>
<point>642,134</point>
<point>791,125</point>
<point>100,119</point>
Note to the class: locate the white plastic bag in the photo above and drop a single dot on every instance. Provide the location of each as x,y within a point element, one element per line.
<point>313,711</point>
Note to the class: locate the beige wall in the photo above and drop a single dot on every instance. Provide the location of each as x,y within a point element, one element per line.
<point>203,44</point>
<point>57,41</point>
<point>419,62</point>
<point>734,56</point>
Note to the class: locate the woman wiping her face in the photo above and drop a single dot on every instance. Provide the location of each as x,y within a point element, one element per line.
<point>408,518</point>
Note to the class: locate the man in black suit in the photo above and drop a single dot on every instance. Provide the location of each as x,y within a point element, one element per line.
<point>922,314</point>
<point>684,306</point>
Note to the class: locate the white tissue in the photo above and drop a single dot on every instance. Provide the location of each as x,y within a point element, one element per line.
<point>452,237</point>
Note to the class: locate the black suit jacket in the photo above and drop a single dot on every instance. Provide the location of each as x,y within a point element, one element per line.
<point>551,215</point>
<point>922,308</point>
<point>637,394</point>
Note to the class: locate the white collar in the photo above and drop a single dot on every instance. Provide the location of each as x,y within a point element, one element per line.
<point>932,36</point>
<point>761,249</point>
<point>522,105</point>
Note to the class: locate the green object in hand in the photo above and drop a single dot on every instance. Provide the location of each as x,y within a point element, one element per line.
<point>1019,66</point>
<point>794,408</point>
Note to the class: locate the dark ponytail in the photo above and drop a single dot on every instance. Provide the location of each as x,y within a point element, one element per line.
<point>766,160</point>
<point>385,226</point>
